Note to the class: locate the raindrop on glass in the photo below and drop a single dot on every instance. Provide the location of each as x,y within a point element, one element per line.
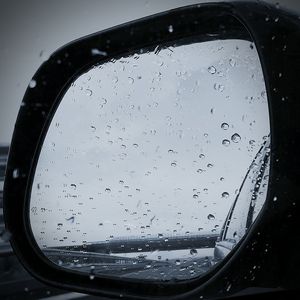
<point>210,217</point>
<point>226,143</point>
<point>32,84</point>
<point>212,70</point>
<point>16,173</point>
<point>235,138</point>
<point>225,195</point>
<point>89,92</point>
<point>224,126</point>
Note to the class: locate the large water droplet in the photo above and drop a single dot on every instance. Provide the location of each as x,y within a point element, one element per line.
<point>225,142</point>
<point>89,92</point>
<point>235,138</point>
<point>210,217</point>
<point>212,70</point>
<point>224,126</point>
<point>32,84</point>
<point>170,28</point>
<point>225,195</point>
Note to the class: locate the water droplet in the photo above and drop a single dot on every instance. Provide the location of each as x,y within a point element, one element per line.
<point>232,62</point>
<point>92,277</point>
<point>170,28</point>
<point>251,142</point>
<point>193,251</point>
<point>173,164</point>
<point>195,196</point>
<point>135,145</point>
<point>73,185</point>
<point>224,126</point>
<point>219,87</point>
<point>170,151</point>
<point>199,171</point>
<point>32,84</point>
<point>222,179</point>
<point>210,217</point>
<point>108,190</point>
<point>201,155</point>
<point>89,92</point>
<point>226,143</point>
<point>131,80</point>
<point>210,165</point>
<point>96,51</point>
<point>212,70</point>
<point>235,138</point>
<point>275,199</point>
<point>16,173</point>
<point>225,195</point>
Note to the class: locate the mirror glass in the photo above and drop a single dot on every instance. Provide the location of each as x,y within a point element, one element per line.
<point>155,164</point>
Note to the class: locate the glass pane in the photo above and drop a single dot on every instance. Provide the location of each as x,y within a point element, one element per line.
<point>145,158</point>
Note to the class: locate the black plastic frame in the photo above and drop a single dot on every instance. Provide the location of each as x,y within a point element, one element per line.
<point>268,256</point>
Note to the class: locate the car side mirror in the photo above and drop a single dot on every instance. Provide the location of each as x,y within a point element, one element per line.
<point>155,159</point>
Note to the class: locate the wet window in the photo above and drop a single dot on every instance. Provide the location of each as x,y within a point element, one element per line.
<point>155,161</point>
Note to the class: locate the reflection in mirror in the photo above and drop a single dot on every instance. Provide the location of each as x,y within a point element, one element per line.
<point>155,165</point>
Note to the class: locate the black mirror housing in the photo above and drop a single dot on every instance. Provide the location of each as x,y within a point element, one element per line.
<point>268,256</point>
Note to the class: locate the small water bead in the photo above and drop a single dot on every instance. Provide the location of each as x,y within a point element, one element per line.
<point>225,195</point>
<point>212,70</point>
<point>201,156</point>
<point>107,190</point>
<point>210,165</point>
<point>16,173</point>
<point>199,171</point>
<point>210,217</point>
<point>32,84</point>
<point>170,28</point>
<point>235,138</point>
<point>219,87</point>
<point>225,142</point>
<point>173,164</point>
<point>89,92</point>
<point>232,62</point>
<point>195,196</point>
<point>224,126</point>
